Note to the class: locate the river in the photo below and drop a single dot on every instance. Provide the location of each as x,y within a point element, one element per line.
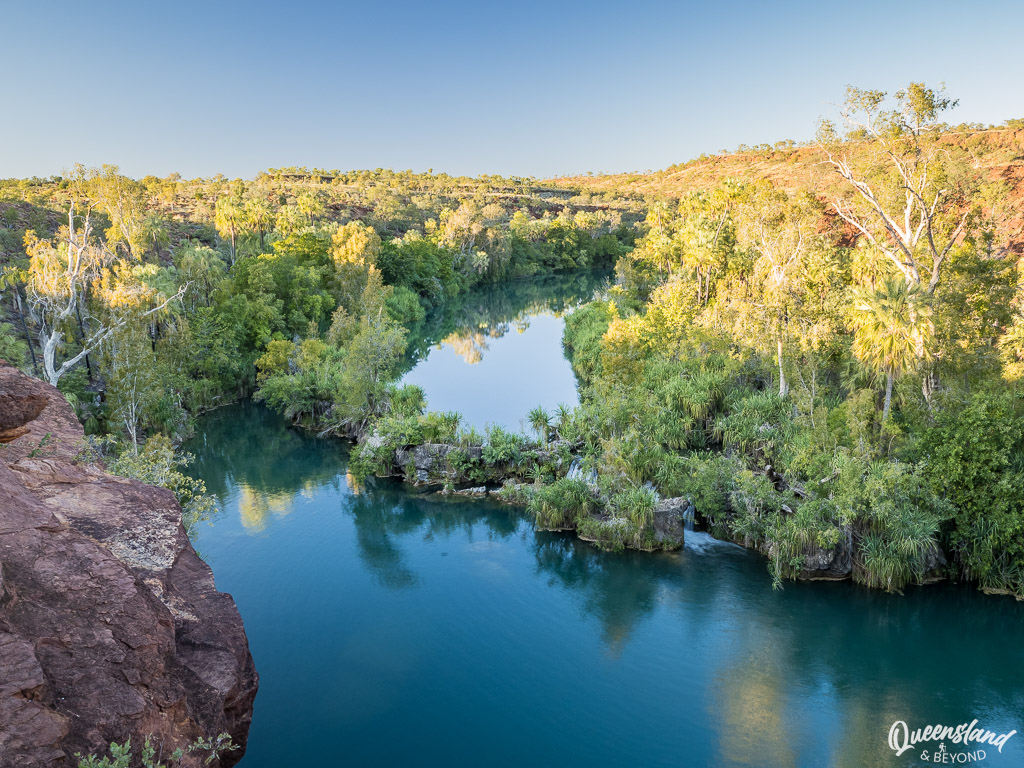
<point>495,353</point>
<point>392,628</point>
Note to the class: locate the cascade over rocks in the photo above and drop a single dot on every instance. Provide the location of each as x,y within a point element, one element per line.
<point>110,625</point>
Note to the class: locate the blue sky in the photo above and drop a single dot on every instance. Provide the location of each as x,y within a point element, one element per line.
<point>527,88</point>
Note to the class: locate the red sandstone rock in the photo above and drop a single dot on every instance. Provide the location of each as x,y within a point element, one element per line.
<point>110,624</point>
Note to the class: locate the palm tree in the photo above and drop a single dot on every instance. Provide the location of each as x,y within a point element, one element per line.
<point>310,205</point>
<point>228,218</point>
<point>259,217</point>
<point>157,234</point>
<point>563,414</point>
<point>892,331</point>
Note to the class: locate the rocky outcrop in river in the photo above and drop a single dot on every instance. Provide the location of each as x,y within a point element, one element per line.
<point>110,625</point>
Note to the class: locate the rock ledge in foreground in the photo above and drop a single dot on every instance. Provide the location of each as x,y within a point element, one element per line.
<point>110,624</point>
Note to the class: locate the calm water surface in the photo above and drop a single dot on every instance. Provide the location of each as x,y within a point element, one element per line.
<point>496,353</point>
<point>393,629</point>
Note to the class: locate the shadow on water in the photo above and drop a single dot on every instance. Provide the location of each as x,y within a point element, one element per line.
<point>686,653</point>
<point>384,514</point>
<point>248,445</point>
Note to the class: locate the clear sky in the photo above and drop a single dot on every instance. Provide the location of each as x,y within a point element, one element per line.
<point>516,88</point>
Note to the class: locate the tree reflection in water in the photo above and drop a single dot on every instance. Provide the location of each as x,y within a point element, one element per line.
<point>767,677</point>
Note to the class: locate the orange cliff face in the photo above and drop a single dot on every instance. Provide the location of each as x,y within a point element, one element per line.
<point>110,624</point>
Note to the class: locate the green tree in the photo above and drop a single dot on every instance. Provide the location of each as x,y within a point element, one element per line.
<point>229,218</point>
<point>133,383</point>
<point>159,464</point>
<point>372,357</point>
<point>259,217</point>
<point>124,201</point>
<point>310,205</point>
<point>908,195</point>
<point>61,272</point>
<point>540,422</point>
<point>893,331</point>
<point>202,270</point>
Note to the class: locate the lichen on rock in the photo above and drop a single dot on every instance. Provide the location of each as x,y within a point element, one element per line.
<point>111,626</point>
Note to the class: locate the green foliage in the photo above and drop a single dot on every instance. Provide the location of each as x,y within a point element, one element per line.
<point>12,348</point>
<point>562,504</point>
<point>121,755</point>
<point>612,533</point>
<point>627,522</point>
<point>975,458</point>
<point>407,400</point>
<point>157,463</point>
<point>897,522</point>
<point>635,504</point>
<point>503,447</point>
<point>584,330</point>
<point>756,425</point>
<point>540,422</point>
<point>440,426</point>
<point>708,480</point>
<point>375,455</point>
<point>404,307</point>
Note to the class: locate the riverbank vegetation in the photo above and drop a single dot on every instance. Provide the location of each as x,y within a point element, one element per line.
<point>831,374</point>
<point>820,346</point>
<point>150,301</point>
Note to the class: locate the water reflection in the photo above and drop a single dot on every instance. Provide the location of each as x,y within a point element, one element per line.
<point>653,657</point>
<point>496,353</point>
<point>254,507</point>
<point>473,319</point>
<point>605,588</point>
<point>248,446</point>
<point>377,526</point>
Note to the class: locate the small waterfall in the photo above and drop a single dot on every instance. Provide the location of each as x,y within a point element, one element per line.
<point>703,542</point>
<point>576,472</point>
<point>689,514</point>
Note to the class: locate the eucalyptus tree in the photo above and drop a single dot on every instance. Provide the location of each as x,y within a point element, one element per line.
<point>356,243</point>
<point>781,232</point>
<point>132,382</point>
<point>477,233</point>
<point>124,201</point>
<point>904,192</point>
<point>61,271</point>
<point>706,235</point>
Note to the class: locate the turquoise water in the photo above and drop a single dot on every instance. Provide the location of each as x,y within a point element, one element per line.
<point>497,352</point>
<point>394,629</point>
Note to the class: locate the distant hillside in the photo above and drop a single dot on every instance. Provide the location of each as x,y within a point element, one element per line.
<point>998,152</point>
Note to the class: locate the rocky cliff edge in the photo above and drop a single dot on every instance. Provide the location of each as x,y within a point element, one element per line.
<point>110,624</point>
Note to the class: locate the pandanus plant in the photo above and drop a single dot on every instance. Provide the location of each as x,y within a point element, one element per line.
<point>540,422</point>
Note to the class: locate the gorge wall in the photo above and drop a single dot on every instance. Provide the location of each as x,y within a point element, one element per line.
<point>110,624</point>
